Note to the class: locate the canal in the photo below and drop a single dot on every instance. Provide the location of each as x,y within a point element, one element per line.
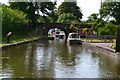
<point>55,59</point>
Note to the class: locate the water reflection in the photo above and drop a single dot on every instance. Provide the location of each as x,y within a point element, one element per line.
<point>55,59</point>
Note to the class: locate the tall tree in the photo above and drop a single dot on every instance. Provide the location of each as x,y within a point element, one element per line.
<point>93,17</point>
<point>13,21</point>
<point>66,18</point>
<point>111,9</point>
<point>33,9</point>
<point>70,7</point>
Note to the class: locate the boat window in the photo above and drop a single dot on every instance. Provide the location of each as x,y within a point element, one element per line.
<point>70,36</point>
<point>74,36</point>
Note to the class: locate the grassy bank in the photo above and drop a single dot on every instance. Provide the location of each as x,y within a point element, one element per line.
<point>18,38</point>
<point>100,41</point>
<point>95,40</point>
<point>113,46</point>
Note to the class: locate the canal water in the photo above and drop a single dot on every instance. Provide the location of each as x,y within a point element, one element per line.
<point>55,59</point>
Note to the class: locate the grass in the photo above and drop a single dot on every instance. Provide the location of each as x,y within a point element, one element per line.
<point>113,46</point>
<point>95,40</point>
<point>50,36</point>
<point>18,38</point>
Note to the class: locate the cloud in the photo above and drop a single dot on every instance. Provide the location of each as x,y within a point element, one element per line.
<point>88,7</point>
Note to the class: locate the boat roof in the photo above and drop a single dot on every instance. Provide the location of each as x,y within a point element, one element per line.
<point>73,33</point>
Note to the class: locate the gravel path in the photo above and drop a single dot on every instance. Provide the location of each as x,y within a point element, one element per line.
<point>104,45</point>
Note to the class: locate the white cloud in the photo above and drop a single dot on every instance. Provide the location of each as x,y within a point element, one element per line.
<point>4,1</point>
<point>88,7</point>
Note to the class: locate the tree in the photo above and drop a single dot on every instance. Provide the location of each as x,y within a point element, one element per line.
<point>111,9</point>
<point>13,21</point>
<point>44,19</point>
<point>33,9</point>
<point>66,18</point>
<point>93,17</point>
<point>109,29</point>
<point>53,15</point>
<point>98,24</point>
<point>70,7</point>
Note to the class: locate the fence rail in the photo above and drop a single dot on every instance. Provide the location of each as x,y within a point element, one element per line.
<point>100,38</point>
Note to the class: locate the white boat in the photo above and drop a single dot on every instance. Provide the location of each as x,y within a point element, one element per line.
<point>74,38</point>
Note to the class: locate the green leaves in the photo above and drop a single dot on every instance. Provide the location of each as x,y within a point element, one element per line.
<point>93,17</point>
<point>109,29</point>
<point>69,12</point>
<point>66,18</point>
<point>70,7</point>
<point>111,9</point>
<point>13,20</point>
<point>35,10</point>
<point>97,24</point>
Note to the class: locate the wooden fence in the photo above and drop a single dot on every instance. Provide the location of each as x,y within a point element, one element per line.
<point>100,38</point>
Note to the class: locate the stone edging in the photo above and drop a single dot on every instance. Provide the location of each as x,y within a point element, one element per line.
<point>22,42</point>
<point>107,51</point>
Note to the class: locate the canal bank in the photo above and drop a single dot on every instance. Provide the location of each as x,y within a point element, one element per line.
<point>104,48</point>
<point>23,42</point>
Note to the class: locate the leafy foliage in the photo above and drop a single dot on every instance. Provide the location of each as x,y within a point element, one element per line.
<point>97,24</point>
<point>109,29</point>
<point>70,7</point>
<point>14,21</point>
<point>73,28</point>
<point>93,17</point>
<point>33,9</point>
<point>104,28</point>
<point>113,46</point>
<point>66,18</point>
<point>45,19</point>
<point>53,15</point>
<point>111,9</point>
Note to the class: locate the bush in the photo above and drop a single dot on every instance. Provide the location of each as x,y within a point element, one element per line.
<point>13,21</point>
<point>113,46</point>
<point>109,29</point>
<point>98,24</point>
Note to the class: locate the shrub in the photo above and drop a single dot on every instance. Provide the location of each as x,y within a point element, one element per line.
<point>113,46</point>
<point>109,29</point>
<point>13,21</point>
<point>98,24</point>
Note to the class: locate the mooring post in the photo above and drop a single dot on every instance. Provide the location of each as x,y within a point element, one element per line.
<point>118,39</point>
<point>105,38</point>
<point>8,37</point>
<point>66,38</point>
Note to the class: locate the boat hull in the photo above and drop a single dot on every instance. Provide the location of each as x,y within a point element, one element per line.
<point>51,38</point>
<point>75,42</point>
<point>60,36</point>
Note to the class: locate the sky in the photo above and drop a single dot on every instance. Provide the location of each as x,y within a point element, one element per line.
<point>87,6</point>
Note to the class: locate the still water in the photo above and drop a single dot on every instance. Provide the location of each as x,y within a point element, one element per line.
<point>55,59</point>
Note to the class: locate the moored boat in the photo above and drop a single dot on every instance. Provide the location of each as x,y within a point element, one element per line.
<point>74,38</point>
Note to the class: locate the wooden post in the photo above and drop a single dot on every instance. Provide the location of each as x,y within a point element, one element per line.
<point>8,37</point>
<point>105,38</point>
<point>118,40</point>
<point>91,38</point>
<point>86,37</point>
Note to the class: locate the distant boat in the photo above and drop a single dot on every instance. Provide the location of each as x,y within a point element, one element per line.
<point>60,35</point>
<point>74,38</point>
